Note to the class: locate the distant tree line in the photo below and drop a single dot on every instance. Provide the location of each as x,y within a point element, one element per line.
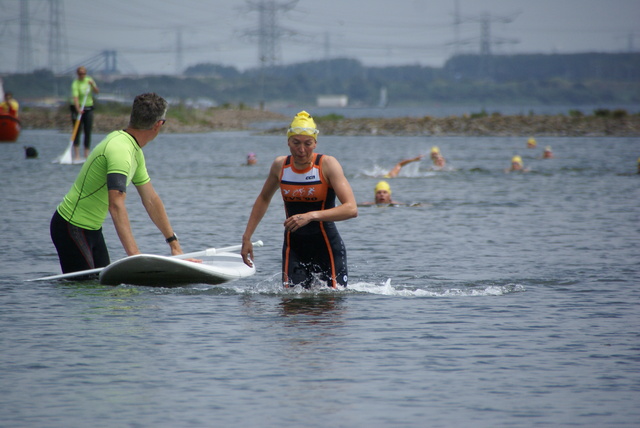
<point>569,79</point>
<point>577,68</point>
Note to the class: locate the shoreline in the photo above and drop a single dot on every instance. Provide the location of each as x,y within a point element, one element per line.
<point>201,121</point>
<point>495,125</point>
<point>194,121</point>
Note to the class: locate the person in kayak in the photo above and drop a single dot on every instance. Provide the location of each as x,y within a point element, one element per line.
<point>100,188</point>
<point>309,183</point>
<point>9,106</point>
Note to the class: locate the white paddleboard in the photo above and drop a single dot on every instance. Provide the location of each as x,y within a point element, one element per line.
<point>162,271</point>
<point>66,159</point>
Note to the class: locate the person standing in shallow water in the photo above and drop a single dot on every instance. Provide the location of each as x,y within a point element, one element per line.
<point>309,183</point>
<point>83,86</point>
<point>101,188</point>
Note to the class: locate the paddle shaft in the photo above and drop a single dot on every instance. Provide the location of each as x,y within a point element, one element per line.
<point>67,156</point>
<point>203,253</point>
<point>79,118</point>
<point>214,251</point>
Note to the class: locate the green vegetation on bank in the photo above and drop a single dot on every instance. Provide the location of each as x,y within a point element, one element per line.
<point>184,119</point>
<point>572,79</point>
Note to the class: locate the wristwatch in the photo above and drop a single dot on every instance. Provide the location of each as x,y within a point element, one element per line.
<point>172,238</point>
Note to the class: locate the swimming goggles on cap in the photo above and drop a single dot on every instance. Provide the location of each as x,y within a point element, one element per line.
<point>296,130</point>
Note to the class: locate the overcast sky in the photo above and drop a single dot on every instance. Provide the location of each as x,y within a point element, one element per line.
<point>146,33</point>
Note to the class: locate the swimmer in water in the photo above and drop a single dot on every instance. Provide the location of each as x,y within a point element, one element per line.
<point>252,159</point>
<point>516,165</point>
<point>437,158</point>
<point>396,169</point>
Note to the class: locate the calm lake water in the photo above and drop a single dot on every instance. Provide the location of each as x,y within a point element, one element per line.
<point>504,300</point>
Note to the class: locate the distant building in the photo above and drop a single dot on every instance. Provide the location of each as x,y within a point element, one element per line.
<point>332,101</point>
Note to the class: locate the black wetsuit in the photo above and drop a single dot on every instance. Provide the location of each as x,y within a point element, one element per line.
<point>315,250</point>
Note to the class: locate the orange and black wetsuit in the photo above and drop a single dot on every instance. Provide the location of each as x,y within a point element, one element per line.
<point>315,250</point>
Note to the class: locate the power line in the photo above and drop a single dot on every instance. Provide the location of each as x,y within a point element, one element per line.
<point>456,27</point>
<point>25,57</point>
<point>269,32</point>
<point>58,49</point>
<point>179,52</point>
<point>486,39</point>
<point>54,40</point>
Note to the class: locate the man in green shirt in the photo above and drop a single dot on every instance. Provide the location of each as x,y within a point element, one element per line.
<point>100,188</point>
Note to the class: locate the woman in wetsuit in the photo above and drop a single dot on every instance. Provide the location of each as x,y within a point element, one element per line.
<point>309,183</point>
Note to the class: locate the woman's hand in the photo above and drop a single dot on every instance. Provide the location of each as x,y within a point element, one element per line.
<point>247,252</point>
<point>295,222</point>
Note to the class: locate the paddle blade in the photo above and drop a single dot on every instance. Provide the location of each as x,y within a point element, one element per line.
<point>67,157</point>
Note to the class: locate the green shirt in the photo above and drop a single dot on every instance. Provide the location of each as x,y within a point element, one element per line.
<point>79,88</point>
<point>87,203</point>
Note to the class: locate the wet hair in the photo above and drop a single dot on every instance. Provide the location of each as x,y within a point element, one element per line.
<point>147,109</point>
<point>30,152</point>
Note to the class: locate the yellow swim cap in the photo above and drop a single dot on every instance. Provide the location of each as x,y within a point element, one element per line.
<point>435,149</point>
<point>383,185</point>
<point>303,124</point>
<point>532,141</point>
<point>516,159</point>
